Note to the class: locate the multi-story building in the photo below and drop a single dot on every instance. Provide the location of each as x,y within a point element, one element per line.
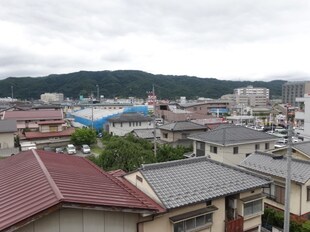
<point>303,116</point>
<point>52,97</point>
<point>293,90</point>
<point>251,96</point>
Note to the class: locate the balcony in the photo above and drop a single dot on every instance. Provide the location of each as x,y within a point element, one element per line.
<point>235,225</point>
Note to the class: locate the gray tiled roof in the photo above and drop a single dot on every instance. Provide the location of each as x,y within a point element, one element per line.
<point>194,180</point>
<point>303,147</point>
<point>228,134</point>
<point>146,133</point>
<point>182,126</point>
<point>130,117</point>
<point>8,126</point>
<point>275,165</point>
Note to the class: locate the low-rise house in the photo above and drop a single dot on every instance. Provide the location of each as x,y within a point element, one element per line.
<point>147,134</point>
<point>201,195</point>
<point>276,167</point>
<point>7,134</point>
<point>300,150</point>
<point>28,119</point>
<point>44,191</point>
<point>125,123</point>
<point>176,133</point>
<point>231,144</point>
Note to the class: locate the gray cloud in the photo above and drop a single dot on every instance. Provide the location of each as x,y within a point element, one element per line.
<point>223,39</point>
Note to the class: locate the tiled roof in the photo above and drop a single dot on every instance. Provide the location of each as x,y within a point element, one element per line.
<point>130,117</point>
<point>36,134</point>
<point>228,134</point>
<point>8,126</point>
<point>194,180</point>
<point>33,181</point>
<point>146,133</point>
<point>277,166</point>
<point>182,126</point>
<point>303,147</point>
<point>34,115</point>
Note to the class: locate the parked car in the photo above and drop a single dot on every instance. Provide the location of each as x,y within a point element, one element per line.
<point>71,149</point>
<point>59,150</point>
<point>85,149</point>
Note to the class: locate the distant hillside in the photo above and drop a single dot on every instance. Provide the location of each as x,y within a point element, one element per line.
<point>125,84</point>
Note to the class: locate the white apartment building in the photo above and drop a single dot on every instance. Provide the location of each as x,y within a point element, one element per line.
<point>250,96</point>
<point>303,117</point>
<point>52,97</point>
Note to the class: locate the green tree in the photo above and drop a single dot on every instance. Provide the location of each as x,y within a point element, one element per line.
<point>126,153</point>
<point>84,136</point>
<point>167,153</point>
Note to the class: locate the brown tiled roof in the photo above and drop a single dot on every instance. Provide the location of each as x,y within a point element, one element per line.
<point>33,115</point>
<point>35,180</point>
<point>36,134</point>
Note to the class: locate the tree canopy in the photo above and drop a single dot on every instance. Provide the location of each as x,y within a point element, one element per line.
<point>84,136</point>
<point>129,153</point>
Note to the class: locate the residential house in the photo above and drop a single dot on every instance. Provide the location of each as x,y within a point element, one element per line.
<point>28,119</point>
<point>201,195</point>
<point>276,167</point>
<point>7,134</point>
<point>300,150</point>
<point>147,134</point>
<point>44,191</point>
<point>231,144</point>
<point>176,133</point>
<point>124,123</point>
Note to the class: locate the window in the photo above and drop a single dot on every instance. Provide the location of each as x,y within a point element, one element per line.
<point>279,194</point>
<point>193,223</point>
<point>200,149</point>
<point>308,193</point>
<point>165,135</point>
<point>236,150</point>
<point>213,149</point>
<point>266,146</point>
<point>253,207</point>
<point>257,147</point>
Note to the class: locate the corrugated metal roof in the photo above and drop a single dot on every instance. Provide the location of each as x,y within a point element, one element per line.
<point>33,114</point>
<point>37,134</point>
<point>194,180</point>
<point>33,181</point>
<point>277,166</point>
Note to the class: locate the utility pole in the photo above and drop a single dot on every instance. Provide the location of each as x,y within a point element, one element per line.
<point>154,110</point>
<point>98,99</point>
<point>92,113</point>
<point>288,180</point>
<point>12,92</point>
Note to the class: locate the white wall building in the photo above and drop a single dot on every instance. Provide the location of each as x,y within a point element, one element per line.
<point>52,97</point>
<point>303,116</point>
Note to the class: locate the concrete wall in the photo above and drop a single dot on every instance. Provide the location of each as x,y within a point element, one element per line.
<point>6,140</point>
<point>81,220</point>
<point>225,154</point>
<point>162,223</point>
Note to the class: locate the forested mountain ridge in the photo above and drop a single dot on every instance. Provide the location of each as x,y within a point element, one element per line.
<point>127,83</point>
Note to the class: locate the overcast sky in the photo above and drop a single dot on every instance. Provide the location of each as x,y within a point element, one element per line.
<point>224,39</point>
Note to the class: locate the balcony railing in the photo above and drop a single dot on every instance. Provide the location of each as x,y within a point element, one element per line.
<point>234,225</point>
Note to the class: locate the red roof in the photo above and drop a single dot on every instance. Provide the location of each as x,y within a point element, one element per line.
<point>34,115</point>
<point>37,135</point>
<point>36,180</point>
<point>51,122</point>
